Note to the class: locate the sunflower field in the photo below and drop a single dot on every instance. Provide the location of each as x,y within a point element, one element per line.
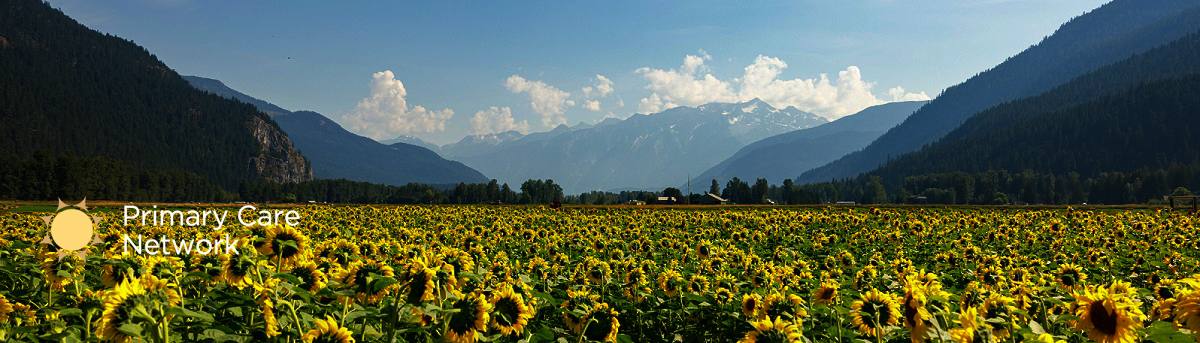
<point>532,274</point>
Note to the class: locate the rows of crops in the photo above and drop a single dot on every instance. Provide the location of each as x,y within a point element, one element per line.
<point>510,274</point>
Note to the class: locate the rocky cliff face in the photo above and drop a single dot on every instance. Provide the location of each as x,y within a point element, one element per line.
<point>278,161</point>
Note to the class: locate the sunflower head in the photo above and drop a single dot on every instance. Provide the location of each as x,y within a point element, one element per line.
<point>750,305</point>
<point>1070,277</point>
<point>128,303</point>
<point>327,330</point>
<point>826,294</point>
<point>285,243</point>
<point>510,313</point>
<point>1107,316</point>
<point>777,330</point>
<point>874,312</point>
<point>467,325</point>
<point>602,324</point>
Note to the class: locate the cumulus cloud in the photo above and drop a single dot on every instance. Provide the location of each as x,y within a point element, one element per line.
<point>546,100</point>
<point>593,105</point>
<point>385,113</point>
<point>655,103</point>
<point>692,85</point>
<point>494,120</point>
<point>602,86</point>
<point>898,94</point>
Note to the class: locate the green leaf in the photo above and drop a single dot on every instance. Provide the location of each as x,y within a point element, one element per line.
<point>287,277</point>
<point>131,330</point>
<point>381,283</point>
<point>70,312</point>
<point>1165,332</point>
<point>1036,328</point>
<point>179,311</point>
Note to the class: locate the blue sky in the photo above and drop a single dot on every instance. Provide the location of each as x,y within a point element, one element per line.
<point>471,67</point>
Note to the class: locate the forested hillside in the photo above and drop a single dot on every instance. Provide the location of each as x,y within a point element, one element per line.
<point>68,90</point>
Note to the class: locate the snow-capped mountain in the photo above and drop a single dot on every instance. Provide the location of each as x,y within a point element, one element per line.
<point>479,144</point>
<point>648,151</point>
<point>406,139</point>
<point>755,119</point>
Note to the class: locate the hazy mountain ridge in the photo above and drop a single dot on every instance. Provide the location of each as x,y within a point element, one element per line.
<point>1101,37</point>
<point>336,153</point>
<point>786,155</point>
<point>644,151</point>
<point>1132,114</point>
<point>412,140</point>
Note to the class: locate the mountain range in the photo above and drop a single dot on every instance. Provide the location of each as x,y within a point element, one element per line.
<point>786,155</point>
<point>645,151</point>
<point>1110,33</point>
<point>336,153</point>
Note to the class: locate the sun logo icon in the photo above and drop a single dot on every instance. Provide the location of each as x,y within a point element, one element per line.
<point>72,230</point>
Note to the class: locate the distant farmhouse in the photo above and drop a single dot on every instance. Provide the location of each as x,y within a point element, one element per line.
<point>666,200</point>
<point>711,199</point>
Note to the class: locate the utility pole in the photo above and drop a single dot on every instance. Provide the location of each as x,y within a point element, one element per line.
<point>689,195</point>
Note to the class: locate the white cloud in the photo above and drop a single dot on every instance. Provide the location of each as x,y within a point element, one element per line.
<point>692,85</point>
<point>898,94</point>
<point>654,104</point>
<point>547,101</point>
<point>603,86</point>
<point>385,112</point>
<point>593,105</point>
<point>495,120</point>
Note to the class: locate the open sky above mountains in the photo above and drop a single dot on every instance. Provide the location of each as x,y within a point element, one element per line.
<point>442,70</point>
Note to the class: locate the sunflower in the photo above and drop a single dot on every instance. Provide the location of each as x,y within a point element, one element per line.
<point>510,313</point>
<point>119,268</point>
<point>467,325</point>
<point>777,305</point>
<point>1047,338</point>
<point>698,284</point>
<point>23,315</point>
<point>1108,317</point>
<point>602,324</point>
<point>1070,277</point>
<point>598,271</point>
<point>669,282</point>
<point>723,296</point>
<point>237,269</point>
<point>999,307</point>
<point>311,278</point>
<point>1187,309</point>
<point>968,321</point>
<point>916,316</point>
<point>52,265</point>
<point>750,305</point>
<point>125,304</point>
<point>262,297</point>
<point>327,331</point>
<point>419,285</point>
<point>635,277</point>
<point>5,308</point>
<point>357,278</point>
<point>874,312</point>
<point>209,264</point>
<point>827,293</point>
<point>766,330</point>
<point>285,243</point>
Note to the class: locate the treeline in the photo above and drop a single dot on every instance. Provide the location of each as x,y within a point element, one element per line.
<point>44,176</point>
<point>72,90</point>
<point>353,192</point>
<point>996,187</point>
